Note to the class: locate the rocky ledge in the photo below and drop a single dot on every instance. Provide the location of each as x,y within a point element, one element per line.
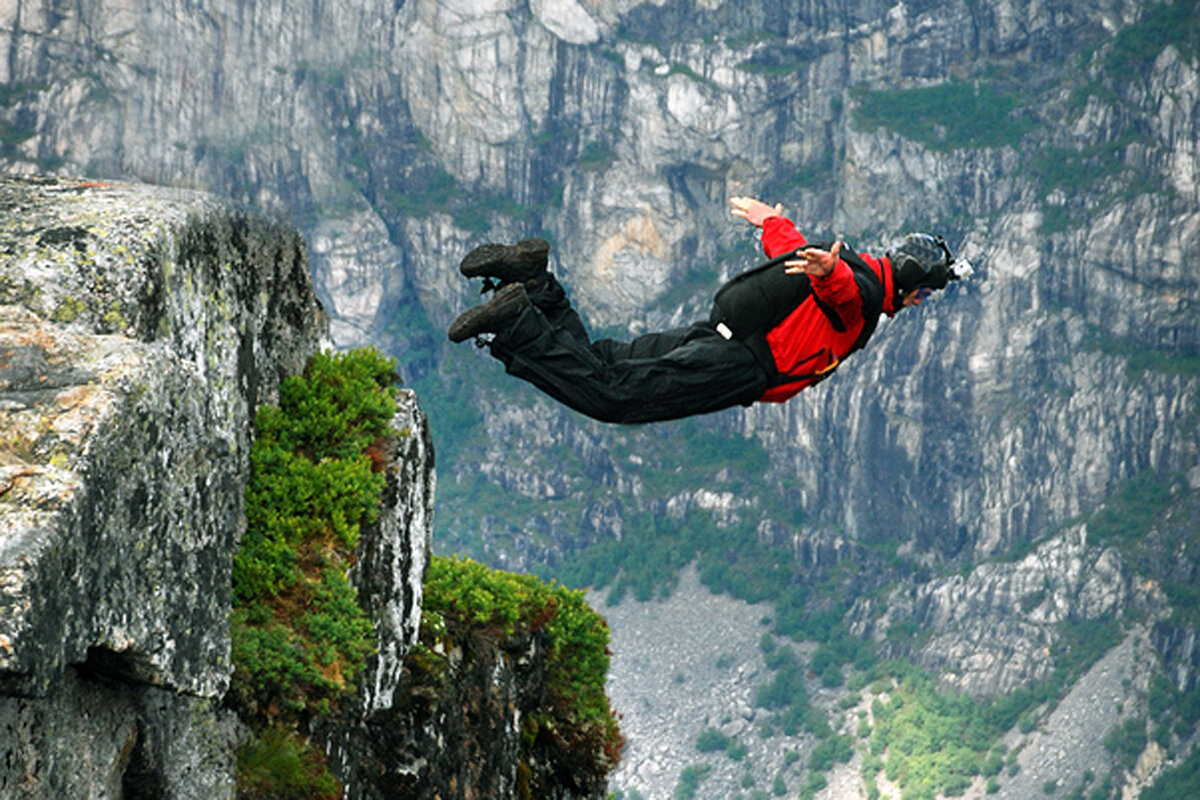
<point>139,329</point>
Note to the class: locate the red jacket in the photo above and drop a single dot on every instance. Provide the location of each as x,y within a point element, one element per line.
<point>806,343</point>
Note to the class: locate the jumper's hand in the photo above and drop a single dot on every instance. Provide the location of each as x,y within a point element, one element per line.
<point>813,262</point>
<point>754,211</point>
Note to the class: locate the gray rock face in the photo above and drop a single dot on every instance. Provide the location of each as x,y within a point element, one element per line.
<point>393,554</point>
<point>991,631</point>
<point>456,735</point>
<point>684,665</point>
<point>139,329</point>
<point>574,118</point>
<point>100,736</point>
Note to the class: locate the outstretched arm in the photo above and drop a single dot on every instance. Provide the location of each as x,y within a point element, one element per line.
<point>814,262</point>
<point>832,280</point>
<point>779,234</point>
<point>754,211</point>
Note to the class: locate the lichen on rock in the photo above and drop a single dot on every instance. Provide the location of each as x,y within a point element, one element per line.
<point>139,328</point>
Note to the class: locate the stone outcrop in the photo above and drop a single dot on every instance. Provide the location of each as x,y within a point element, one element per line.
<point>451,733</point>
<point>139,330</point>
<point>991,631</point>
<point>392,558</point>
<point>393,554</point>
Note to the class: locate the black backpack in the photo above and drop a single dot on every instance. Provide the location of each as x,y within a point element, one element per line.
<point>756,301</point>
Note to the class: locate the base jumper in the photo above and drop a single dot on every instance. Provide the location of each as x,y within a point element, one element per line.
<point>776,329</point>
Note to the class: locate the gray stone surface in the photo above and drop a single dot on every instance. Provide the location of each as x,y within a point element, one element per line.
<point>1069,743</point>
<point>990,630</point>
<point>139,329</point>
<point>687,664</point>
<point>393,555</point>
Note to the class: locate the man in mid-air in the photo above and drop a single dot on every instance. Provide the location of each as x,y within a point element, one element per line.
<point>775,330</point>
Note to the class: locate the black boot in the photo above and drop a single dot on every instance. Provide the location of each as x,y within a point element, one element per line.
<point>492,316</point>
<point>507,263</point>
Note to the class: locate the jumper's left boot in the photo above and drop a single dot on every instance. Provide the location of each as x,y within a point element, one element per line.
<point>507,263</point>
<point>491,317</point>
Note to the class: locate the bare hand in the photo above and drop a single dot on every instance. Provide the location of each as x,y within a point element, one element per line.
<point>814,262</point>
<point>754,211</point>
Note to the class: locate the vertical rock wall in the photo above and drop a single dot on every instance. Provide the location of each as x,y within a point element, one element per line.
<point>393,554</point>
<point>139,329</point>
<point>619,128</point>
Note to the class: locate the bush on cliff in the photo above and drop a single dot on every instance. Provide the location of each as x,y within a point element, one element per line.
<point>574,727</point>
<point>299,634</point>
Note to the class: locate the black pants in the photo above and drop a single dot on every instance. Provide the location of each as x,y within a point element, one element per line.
<point>658,376</point>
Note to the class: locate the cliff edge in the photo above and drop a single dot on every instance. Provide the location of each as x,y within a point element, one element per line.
<point>139,329</point>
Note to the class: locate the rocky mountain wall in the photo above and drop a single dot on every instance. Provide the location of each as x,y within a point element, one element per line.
<point>995,624</point>
<point>141,328</point>
<point>1054,143</point>
<point>623,144</point>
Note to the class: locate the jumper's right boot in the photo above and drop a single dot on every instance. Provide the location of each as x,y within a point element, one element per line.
<point>491,317</point>
<point>507,263</point>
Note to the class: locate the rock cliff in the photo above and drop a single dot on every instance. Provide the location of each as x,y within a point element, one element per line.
<point>575,119</point>
<point>141,328</point>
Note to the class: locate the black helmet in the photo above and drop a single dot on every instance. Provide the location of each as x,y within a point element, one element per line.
<point>925,261</point>
<point>920,260</point>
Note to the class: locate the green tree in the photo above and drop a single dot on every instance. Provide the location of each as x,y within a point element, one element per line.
<point>689,781</point>
<point>710,740</point>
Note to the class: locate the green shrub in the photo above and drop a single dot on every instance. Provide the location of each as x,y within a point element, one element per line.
<point>1178,783</point>
<point>1081,644</point>
<point>277,764</point>
<point>1131,511</point>
<point>935,742</point>
<point>689,781</point>
<point>1127,741</point>
<point>826,663</point>
<point>816,783</point>
<point>596,156</point>
<point>312,484</point>
<point>836,749</point>
<point>784,689</point>
<point>1134,47</point>
<point>462,596</point>
<point>982,116</point>
<point>736,750</point>
<point>299,636</point>
<point>710,740</point>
